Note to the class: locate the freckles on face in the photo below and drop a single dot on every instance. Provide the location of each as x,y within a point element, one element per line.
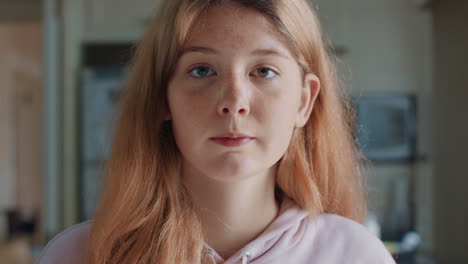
<point>234,74</point>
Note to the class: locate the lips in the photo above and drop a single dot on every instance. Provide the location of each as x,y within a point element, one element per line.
<point>233,135</point>
<point>232,139</point>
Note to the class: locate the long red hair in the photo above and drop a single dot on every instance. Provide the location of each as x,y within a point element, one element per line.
<point>145,213</point>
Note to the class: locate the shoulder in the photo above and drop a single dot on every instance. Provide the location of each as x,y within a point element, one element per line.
<point>68,246</point>
<point>343,237</point>
<point>340,226</point>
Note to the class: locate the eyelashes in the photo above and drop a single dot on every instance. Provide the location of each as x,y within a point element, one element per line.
<point>264,72</point>
<point>205,71</point>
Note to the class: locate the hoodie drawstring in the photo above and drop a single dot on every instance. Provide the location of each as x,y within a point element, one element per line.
<point>245,258</point>
<point>211,253</point>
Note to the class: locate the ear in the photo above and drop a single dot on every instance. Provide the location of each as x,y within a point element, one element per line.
<point>309,93</point>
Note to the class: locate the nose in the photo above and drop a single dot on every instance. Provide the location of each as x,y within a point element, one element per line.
<point>235,98</point>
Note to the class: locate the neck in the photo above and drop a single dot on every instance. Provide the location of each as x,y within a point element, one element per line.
<point>232,213</point>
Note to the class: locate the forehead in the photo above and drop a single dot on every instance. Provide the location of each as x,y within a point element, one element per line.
<point>234,26</point>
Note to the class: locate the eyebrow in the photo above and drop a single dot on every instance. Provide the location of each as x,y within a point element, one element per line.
<point>215,52</point>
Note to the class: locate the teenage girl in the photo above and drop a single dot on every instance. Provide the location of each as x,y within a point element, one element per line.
<point>234,145</point>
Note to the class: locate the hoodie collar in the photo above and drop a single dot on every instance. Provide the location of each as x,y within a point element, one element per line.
<point>282,234</point>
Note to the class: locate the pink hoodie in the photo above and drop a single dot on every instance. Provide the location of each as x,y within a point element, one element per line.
<point>291,238</point>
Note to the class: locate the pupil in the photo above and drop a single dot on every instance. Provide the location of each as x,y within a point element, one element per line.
<point>202,70</point>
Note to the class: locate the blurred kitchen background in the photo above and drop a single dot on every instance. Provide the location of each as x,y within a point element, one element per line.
<point>405,63</point>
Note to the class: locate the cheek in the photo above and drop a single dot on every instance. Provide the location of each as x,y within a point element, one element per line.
<point>280,116</point>
<point>280,122</point>
<point>281,108</point>
<point>189,114</point>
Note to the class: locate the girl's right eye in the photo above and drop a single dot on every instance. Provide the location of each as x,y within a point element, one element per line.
<point>201,72</point>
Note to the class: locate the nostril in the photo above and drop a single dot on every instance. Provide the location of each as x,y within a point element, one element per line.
<point>225,110</point>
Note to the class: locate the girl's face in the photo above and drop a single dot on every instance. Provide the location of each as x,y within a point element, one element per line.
<point>235,75</point>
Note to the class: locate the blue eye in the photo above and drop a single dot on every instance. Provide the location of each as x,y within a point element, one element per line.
<point>265,72</point>
<point>201,71</point>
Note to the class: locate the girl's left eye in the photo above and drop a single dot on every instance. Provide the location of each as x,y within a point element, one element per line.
<point>265,72</point>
